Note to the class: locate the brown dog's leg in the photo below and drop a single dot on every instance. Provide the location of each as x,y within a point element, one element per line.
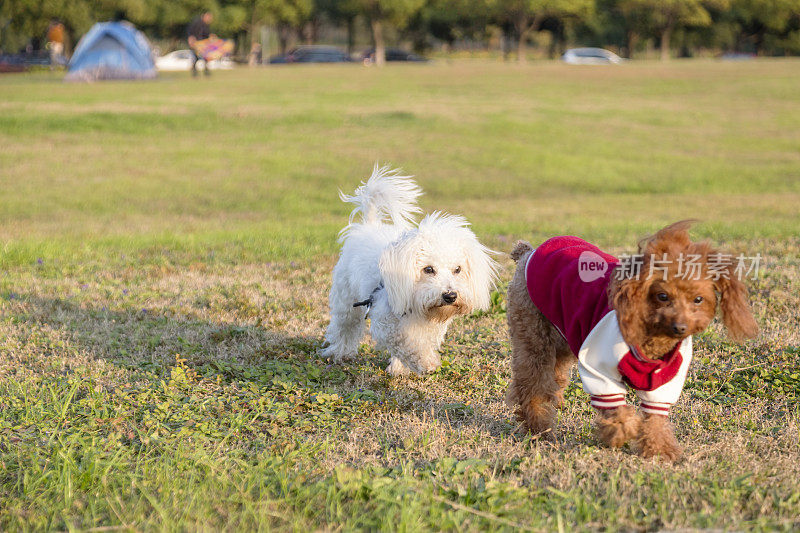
<point>564,363</point>
<point>615,427</point>
<point>538,367</point>
<point>656,438</point>
<point>534,388</point>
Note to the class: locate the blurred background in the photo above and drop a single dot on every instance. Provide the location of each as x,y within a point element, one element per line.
<point>362,29</point>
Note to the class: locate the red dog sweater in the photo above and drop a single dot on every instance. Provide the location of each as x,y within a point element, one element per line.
<point>567,280</point>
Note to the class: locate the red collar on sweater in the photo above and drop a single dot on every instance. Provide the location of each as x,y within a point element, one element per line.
<point>645,374</point>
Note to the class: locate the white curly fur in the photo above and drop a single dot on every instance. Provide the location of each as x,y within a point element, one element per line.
<point>410,314</point>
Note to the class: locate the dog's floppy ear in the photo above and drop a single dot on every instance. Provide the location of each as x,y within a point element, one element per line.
<point>735,307</point>
<point>480,271</point>
<point>628,297</point>
<point>400,270</point>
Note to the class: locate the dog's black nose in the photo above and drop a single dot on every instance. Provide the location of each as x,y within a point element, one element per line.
<point>679,329</point>
<point>449,296</point>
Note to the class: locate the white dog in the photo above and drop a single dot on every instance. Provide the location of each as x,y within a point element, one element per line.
<point>410,281</point>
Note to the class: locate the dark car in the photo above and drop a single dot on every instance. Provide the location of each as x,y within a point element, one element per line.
<point>312,54</point>
<point>24,61</point>
<point>392,54</point>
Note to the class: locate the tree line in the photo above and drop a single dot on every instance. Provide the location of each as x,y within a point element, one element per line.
<point>761,27</point>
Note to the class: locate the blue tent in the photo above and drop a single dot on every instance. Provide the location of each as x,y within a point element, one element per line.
<point>112,51</point>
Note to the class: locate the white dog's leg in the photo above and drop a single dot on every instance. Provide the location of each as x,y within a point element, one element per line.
<point>406,359</point>
<point>345,330</point>
<point>413,345</point>
<point>397,368</point>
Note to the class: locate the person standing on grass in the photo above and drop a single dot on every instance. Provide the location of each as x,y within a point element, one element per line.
<point>199,30</point>
<point>55,42</point>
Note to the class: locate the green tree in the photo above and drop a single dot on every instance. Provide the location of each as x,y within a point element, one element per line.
<point>22,19</point>
<point>381,13</point>
<point>288,16</point>
<point>634,19</point>
<point>759,18</point>
<point>340,12</point>
<point>665,16</point>
<point>450,20</point>
<point>527,15</point>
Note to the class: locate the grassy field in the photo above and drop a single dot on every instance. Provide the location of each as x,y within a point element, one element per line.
<point>166,254</point>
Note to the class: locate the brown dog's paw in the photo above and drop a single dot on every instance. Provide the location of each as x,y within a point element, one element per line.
<point>615,427</point>
<point>669,451</point>
<point>538,419</point>
<point>546,435</point>
<point>657,440</point>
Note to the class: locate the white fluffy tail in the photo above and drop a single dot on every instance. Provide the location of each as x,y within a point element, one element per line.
<point>385,197</point>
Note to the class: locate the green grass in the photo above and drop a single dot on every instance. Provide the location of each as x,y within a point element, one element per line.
<point>166,255</point>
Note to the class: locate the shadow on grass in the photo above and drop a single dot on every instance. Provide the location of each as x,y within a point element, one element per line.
<point>142,339</point>
<point>149,344</point>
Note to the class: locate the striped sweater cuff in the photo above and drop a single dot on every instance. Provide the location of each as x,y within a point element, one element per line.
<point>608,401</point>
<point>655,408</point>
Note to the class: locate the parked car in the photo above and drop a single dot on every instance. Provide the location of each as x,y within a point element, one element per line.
<point>737,56</point>
<point>392,54</point>
<point>24,61</point>
<point>591,56</point>
<point>182,60</point>
<point>312,54</point>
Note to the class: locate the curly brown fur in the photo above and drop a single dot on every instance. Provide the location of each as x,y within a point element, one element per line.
<point>541,360</point>
<point>656,438</point>
<point>520,248</point>
<point>656,309</point>
<point>735,308</point>
<point>615,427</point>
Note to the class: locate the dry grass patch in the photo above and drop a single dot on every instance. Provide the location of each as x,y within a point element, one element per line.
<point>224,360</point>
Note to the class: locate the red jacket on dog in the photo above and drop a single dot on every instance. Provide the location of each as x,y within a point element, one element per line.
<point>568,280</point>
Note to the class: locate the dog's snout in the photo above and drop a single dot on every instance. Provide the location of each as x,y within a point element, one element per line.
<point>449,296</point>
<point>679,328</point>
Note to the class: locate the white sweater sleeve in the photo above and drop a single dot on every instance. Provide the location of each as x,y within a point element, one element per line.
<point>597,364</point>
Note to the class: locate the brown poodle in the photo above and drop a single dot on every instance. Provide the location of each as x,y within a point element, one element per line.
<point>626,324</point>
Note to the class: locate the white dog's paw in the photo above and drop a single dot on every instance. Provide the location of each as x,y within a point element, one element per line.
<point>430,368</point>
<point>331,352</point>
<point>397,368</point>
<point>430,363</point>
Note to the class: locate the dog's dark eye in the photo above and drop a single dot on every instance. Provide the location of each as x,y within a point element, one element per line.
<point>698,300</point>
<point>662,297</point>
<point>457,270</point>
<point>429,270</point>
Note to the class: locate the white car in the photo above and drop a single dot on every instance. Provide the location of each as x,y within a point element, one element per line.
<point>182,60</point>
<point>591,56</point>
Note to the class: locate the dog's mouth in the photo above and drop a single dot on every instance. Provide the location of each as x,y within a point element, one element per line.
<point>456,302</point>
<point>442,311</point>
